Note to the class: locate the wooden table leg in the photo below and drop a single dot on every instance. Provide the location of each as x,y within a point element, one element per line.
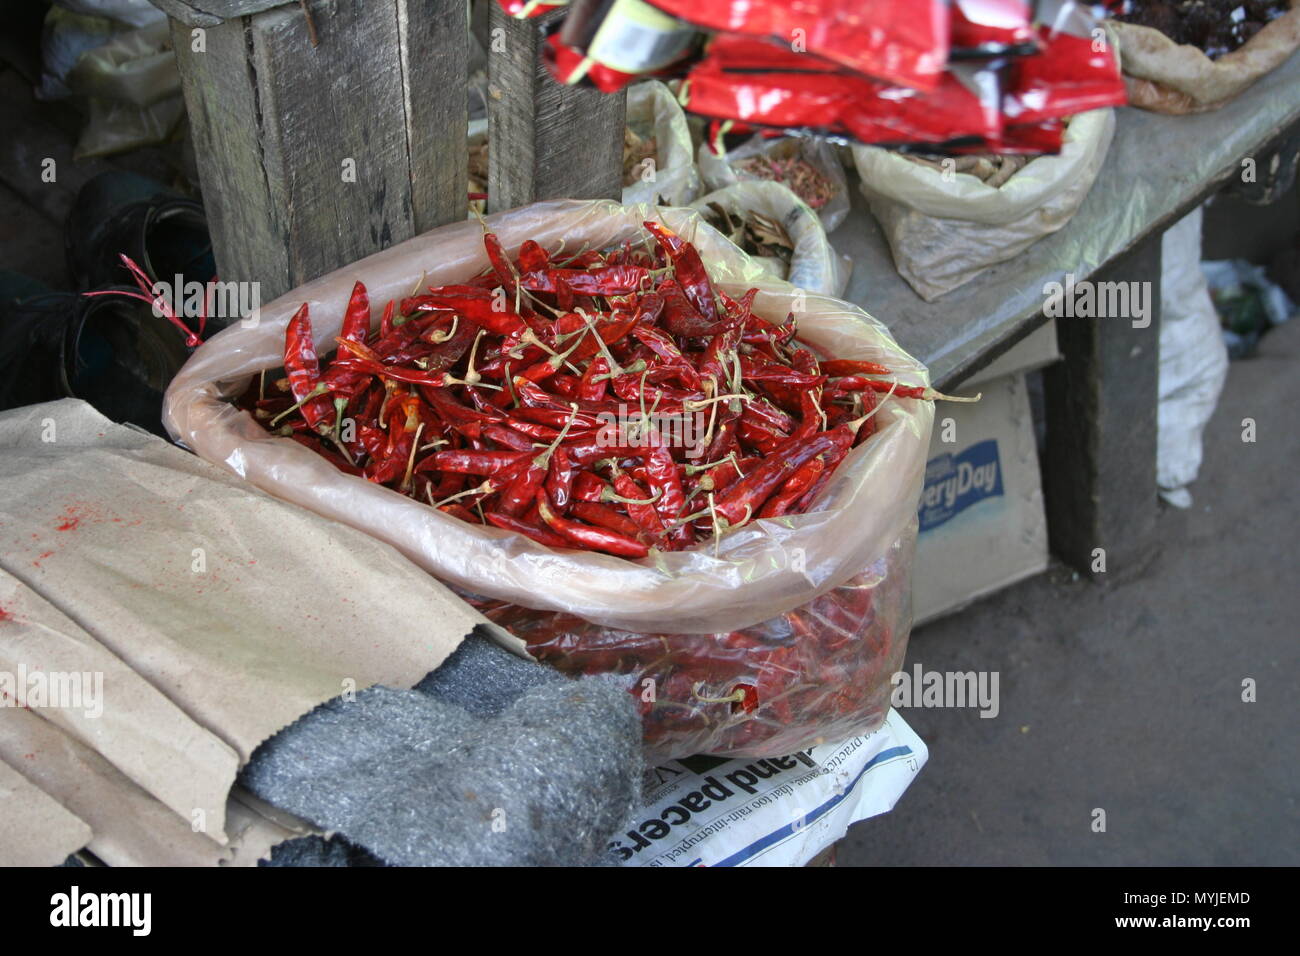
<point>1099,473</point>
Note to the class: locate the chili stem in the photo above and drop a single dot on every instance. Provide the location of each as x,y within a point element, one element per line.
<point>316,392</point>
<point>410,461</point>
<point>437,338</point>
<point>484,489</point>
<point>737,697</point>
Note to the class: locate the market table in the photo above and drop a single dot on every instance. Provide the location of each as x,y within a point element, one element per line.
<point>1099,469</point>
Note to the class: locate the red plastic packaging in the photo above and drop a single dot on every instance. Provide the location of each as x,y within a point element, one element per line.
<point>527,9</point>
<point>1034,139</point>
<point>737,51</point>
<point>992,28</point>
<point>904,42</point>
<point>845,104</point>
<point>1073,74</point>
<point>568,65</point>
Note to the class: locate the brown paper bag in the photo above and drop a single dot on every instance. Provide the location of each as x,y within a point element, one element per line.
<point>208,614</point>
<point>35,830</point>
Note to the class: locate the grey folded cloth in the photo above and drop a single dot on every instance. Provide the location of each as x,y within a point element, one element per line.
<point>490,760</point>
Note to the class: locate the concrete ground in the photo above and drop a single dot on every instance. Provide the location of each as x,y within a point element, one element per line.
<point>1127,695</point>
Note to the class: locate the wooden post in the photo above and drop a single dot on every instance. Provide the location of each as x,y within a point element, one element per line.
<point>1099,473</point>
<point>546,140</point>
<point>311,157</point>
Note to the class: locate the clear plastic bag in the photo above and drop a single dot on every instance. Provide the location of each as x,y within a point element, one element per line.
<point>652,110</point>
<point>814,264</point>
<point>720,171</point>
<point>818,673</point>
<point>752,575</point>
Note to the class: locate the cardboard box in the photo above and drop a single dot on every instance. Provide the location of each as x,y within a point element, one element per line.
<point>981,514</point>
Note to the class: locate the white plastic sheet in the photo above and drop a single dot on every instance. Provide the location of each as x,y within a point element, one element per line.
<point>1193,360</point>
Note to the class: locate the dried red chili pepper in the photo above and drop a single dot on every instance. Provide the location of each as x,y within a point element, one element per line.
<point>742,501</point>
<point>483,307</point>
<point>837,367</point>
<point>605,280</point>
<point>465,380</point>
<point>522,491</point>
<point>587,536</point>
<point>665,482</point>
<point>645,515</point>
<point>856,383</point>
<point>474,462</point>
<point>689,269</point>
<point>356,320</point>
<point>303,369</point>
<point>507,437</point>
<point>560,478</point>
<point>541,535</point>
<point>532,257</point>
<point>681,318</point>
<point>603,516</point>
<point>793,490</point>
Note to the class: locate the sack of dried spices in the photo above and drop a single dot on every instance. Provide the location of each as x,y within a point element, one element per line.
<point>658,157</point>
<point>809,167</point>
<point>946,224</point>
<point>1181,56</point>
<point>773,226</point>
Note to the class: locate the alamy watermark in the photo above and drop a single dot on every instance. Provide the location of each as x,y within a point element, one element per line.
<point>631,428</point>
<point>58,690</point>
<point>932,689</point>
<point>215,300</point>
<point>1099,300</point>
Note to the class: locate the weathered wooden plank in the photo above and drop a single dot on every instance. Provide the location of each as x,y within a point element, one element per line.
<point>333,131</point>
<point>208,13</point>
<point>1099,473</point>
<point>548,141</point>
<point>314,156</point>
<point>434,37</point>
<point>248,231</point>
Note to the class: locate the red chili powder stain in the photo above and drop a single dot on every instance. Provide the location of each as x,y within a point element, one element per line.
<point>5,615</point>
<point>37,562</point>
<point>78,511</point>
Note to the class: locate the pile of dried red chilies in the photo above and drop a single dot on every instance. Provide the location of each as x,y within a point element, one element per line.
<point>534,398</point>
